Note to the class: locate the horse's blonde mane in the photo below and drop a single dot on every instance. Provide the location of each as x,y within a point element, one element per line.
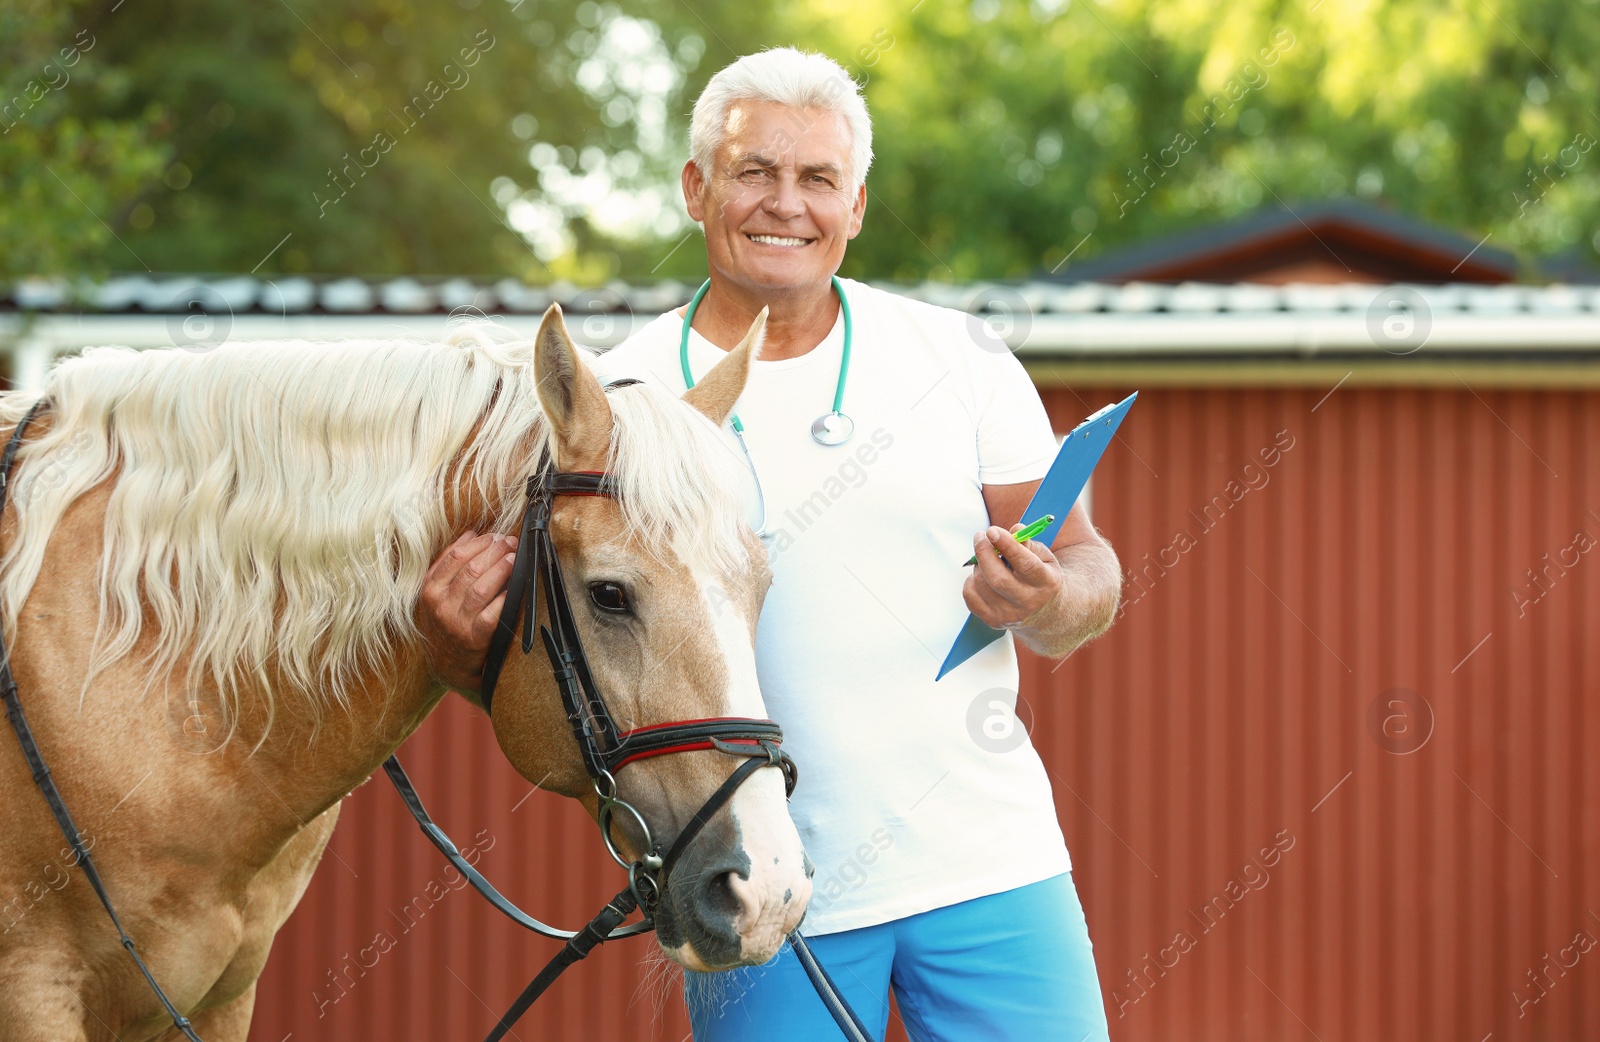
<point>275,505</point>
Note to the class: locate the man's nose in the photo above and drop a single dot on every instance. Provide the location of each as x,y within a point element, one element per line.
<point>784,201</point>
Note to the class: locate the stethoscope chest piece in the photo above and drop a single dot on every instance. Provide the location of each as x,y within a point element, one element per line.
<point>832,428</point>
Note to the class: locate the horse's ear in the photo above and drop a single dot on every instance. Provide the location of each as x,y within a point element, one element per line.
<point>716,392</point>
<point>573,400</point>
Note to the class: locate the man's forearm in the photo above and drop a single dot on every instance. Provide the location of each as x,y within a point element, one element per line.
<point>1091,587</point>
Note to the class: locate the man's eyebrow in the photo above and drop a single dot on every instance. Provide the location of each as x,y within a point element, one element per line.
<point>766,161</point>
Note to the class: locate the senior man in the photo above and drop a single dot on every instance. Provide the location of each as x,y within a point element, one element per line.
<point>881,433</point>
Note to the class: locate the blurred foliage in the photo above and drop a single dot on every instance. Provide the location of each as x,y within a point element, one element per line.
<point>543,138</point>
<point>1018,132</point>
<point>66,175</point>
<point>337,137</point>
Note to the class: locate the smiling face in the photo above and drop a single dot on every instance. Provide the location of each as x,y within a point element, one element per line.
<point>777,207</point>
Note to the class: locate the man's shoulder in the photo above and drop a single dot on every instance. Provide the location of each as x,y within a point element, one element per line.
<point>896,304</point>
<point>949,339</point>
<point>902,298</point>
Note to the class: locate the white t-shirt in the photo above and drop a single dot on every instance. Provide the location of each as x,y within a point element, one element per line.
<point>913,794</point>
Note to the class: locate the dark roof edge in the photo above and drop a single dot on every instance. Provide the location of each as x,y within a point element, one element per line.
<point>1279,217</point>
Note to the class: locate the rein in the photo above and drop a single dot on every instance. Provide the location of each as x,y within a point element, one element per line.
<point>41,773</point>
<point>605,750</point>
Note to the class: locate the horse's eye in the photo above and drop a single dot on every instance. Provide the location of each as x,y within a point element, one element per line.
<point>609,597</point>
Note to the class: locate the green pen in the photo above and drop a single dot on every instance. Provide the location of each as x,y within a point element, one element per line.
<point>1026,533</point>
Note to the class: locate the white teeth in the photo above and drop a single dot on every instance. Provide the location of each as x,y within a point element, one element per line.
<point>777,240</point>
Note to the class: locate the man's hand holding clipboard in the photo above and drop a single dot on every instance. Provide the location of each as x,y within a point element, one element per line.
<point>1080,451</point>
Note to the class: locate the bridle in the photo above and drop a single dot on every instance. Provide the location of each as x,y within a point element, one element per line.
<point>605,747</point>
<point>605,750</point>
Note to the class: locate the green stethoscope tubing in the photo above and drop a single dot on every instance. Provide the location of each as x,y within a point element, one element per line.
<point>844,362</point>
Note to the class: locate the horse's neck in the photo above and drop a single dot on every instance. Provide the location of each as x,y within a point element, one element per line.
<point>235,787</point>
<point>320,757</point>
<point>308,761</point>
<point>315,760</point>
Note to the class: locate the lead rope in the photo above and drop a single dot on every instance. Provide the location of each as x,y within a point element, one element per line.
<point>838,1006</point>
<point>41,773</point>
<point>579,947</point>
<point>599,930</point>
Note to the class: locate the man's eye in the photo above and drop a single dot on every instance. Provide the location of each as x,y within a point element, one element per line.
<point>609,597</point>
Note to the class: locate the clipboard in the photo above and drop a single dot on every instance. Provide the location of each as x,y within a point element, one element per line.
<point>1063,484</point>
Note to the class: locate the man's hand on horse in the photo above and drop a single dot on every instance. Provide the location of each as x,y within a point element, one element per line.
<point>462,596</point>
<point>1008,597</point>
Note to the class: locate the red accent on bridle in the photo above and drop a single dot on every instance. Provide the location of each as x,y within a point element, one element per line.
<point>688,746</point>
<point>602,475</point>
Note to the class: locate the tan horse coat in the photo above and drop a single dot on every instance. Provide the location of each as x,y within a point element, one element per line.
<point>206,836</point>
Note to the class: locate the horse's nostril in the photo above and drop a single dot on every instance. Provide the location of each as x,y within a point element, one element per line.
<point>711,915</point>
<point>717,900</point>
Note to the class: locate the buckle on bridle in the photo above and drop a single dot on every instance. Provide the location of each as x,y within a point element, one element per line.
<point>645,886</point>
<point>748,747</point>
<point>776,757</point>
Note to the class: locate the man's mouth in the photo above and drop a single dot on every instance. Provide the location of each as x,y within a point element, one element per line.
<point>778,240</point>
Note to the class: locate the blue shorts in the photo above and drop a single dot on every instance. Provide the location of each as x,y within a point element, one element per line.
<point>1011,967</point>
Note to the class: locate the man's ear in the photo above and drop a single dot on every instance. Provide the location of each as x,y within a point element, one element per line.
<point>574,402</point>
<point>717,392</point>
<point>694,183</point>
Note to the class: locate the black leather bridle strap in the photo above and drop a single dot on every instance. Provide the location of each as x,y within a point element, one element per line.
<point>839,1008</point>
<point>767,757</point>
<point>436,836</point>
<point>592,725</point>
<point>600,929</point>
<point>537,567</point>
<point>41,773</point>
<point>517,588</point>
<point>534,549</point>
<point>687,736</point>
<point>579,947</point>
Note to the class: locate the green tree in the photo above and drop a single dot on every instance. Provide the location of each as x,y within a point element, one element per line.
<point>1012,136</point>
<point>347,136</point>
<point>335,137</point>
<point>64,175</point>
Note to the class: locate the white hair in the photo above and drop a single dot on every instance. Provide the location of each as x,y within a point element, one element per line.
<point>791,77</point>
<point>274,506</point>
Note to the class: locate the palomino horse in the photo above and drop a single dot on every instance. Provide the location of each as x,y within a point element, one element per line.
<point>210,570</point>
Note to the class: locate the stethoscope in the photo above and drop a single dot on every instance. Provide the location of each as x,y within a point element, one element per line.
<point>831,428</point>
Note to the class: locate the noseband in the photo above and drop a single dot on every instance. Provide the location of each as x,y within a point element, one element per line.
<point>605,748</point>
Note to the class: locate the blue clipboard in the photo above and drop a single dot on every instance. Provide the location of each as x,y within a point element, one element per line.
<point>1063,484</point>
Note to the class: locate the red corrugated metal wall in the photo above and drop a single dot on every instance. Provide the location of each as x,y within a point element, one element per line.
<point>1336,647</point>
